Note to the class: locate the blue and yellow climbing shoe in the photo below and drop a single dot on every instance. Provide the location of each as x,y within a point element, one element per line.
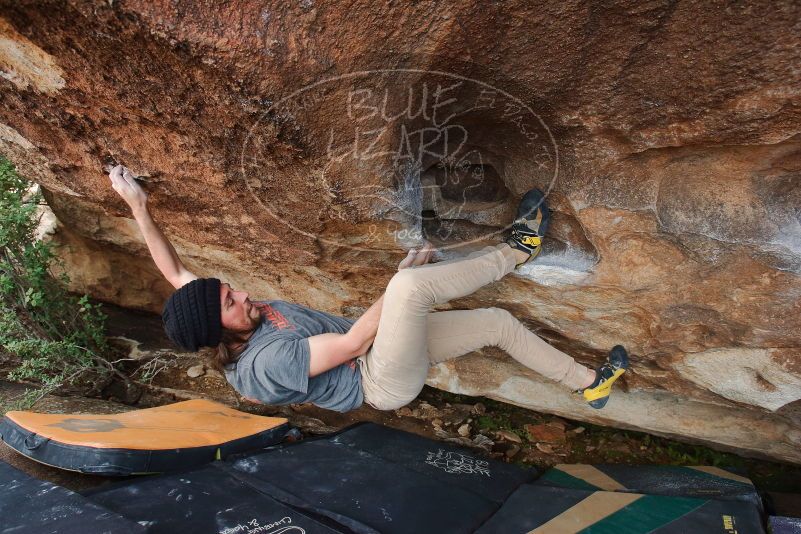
<point>530,225</point>
<point>597,394</point>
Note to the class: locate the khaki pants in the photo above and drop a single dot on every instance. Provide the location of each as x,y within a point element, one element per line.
<point>411,337</point>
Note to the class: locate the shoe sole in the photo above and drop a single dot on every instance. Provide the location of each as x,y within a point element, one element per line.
<point>619,358</point>
<point>533,204</point>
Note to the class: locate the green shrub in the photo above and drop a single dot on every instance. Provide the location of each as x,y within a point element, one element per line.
<point>52,339</point>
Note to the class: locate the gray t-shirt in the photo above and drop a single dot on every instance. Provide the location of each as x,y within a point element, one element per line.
<point>274,368</point>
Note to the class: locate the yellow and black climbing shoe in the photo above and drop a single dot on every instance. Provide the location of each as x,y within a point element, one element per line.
<point>530,225</point>
<point>597,394</point>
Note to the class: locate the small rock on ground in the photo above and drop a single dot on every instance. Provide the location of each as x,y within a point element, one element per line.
<point>509,436</point>
<point>196,371</point>
<point>545,433</point>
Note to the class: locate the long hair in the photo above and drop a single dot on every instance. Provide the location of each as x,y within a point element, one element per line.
<point>232,344</point>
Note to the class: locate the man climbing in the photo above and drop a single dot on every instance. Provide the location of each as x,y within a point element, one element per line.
<point>276,352</point>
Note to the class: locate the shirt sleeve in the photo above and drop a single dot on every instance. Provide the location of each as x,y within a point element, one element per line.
<point>285,361</point>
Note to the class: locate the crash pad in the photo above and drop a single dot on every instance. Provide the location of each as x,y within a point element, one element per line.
<point>370,478</point>
<point>784,525</point>
<point>32,506</point>
<point>544,509</point>
<point>162,439</point>
<point>451,465</point>
<point>205,500</point>
<point>685,481</point>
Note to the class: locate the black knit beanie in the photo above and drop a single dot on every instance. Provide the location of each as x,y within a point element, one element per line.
<point>192,315</point>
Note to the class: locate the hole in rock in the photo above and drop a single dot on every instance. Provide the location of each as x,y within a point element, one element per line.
<point>462,202</point>
<point>469,182</point>
<point>428,215</point>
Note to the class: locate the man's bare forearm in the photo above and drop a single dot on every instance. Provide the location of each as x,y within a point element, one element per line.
<point>365,328</point>
<point>331,349</point>
<point>160,248</point>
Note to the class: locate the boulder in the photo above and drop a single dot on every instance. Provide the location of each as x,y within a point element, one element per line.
<point>297,149</point>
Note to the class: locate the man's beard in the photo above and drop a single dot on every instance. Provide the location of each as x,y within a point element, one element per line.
<point>246,332</point>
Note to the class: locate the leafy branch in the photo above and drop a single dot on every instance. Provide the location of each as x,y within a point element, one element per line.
<point>53,339</point>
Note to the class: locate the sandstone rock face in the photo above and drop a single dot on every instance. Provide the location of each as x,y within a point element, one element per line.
<point>295,149</point>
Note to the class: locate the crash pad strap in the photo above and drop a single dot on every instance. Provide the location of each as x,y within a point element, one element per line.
<point>722,473</point>
<point>591,475</point>
<point>661,480</point>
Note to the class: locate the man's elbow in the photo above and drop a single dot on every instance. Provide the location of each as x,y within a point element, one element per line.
<point>351,345</point>
<point>180,278</point>
<point>174,281</point>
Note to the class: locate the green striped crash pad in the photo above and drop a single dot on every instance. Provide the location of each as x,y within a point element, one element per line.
<point>551,510</point>
<point>668,480</point>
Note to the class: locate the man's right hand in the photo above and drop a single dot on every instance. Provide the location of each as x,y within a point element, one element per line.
<point>124,183</point>
<point>417,256</point>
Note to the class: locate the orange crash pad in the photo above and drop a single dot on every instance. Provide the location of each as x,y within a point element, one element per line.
<point>152,440</point>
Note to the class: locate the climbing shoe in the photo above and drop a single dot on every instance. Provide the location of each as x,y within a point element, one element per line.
<point>597,394</point>
<point>530,225</point>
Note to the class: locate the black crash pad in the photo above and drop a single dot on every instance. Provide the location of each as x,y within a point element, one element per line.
<point>372,478</point>
<point>452,465</point>
<point>32,506</point>
<point>544,509</point>
<point>207,500</point>
<point>683,481</point>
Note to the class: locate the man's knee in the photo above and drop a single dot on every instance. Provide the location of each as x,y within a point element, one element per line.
<point>405,281</point>
<point>501,316</point>
<point>502,323</point>
<point>385,401</point>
